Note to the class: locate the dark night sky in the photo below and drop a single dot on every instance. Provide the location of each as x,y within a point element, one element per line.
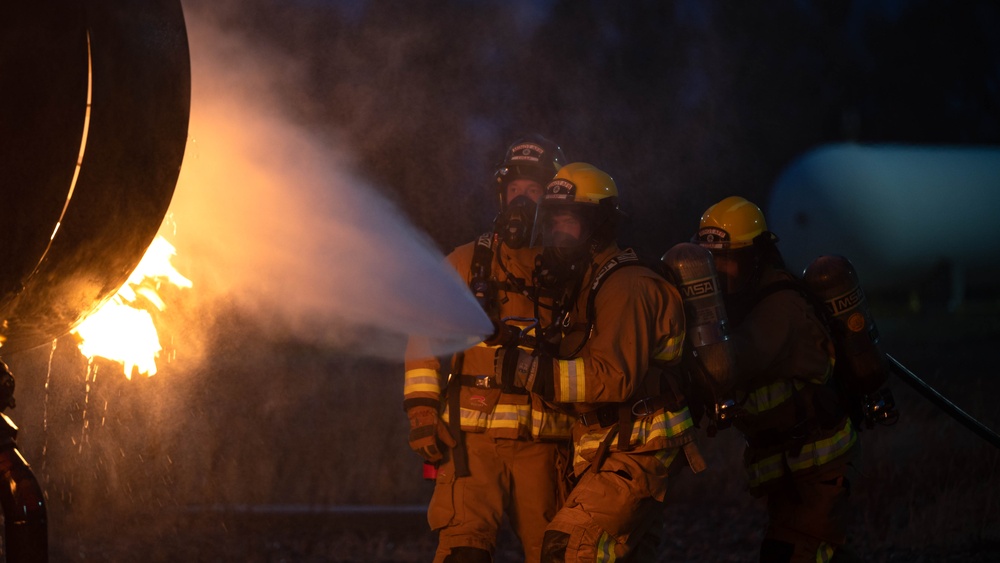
<point>682,102</point>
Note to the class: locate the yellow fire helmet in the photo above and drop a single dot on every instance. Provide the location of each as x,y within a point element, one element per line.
<point>730,224</point>
<point>587,192</point>
<point>580,182</point>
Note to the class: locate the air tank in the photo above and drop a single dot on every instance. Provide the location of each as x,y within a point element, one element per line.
<point>693,269</point>
<point>861,366</point>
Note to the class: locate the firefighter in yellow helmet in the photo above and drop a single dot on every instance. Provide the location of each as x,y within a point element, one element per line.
<point>618,331</point>
<point>799,437</point>
<point>497,451</point>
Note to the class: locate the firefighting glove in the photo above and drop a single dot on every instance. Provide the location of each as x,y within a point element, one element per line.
<point>516,370</point>
<point>427,430</point>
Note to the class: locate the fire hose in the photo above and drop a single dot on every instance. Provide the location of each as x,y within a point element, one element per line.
<point>940,401</point>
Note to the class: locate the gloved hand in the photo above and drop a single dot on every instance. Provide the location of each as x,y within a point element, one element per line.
<point>515,369</point>
<point>426,430</point>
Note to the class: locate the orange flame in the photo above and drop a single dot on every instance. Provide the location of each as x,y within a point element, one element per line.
<point>121,330</point>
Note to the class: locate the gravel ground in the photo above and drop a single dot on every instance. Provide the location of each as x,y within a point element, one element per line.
<point>694,534</point>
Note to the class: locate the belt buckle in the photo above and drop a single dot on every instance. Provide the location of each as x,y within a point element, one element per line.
<point>482,382</point>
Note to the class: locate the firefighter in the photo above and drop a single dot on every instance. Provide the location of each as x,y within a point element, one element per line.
<point>618,331</point>
<point>498,452</point>
<point>799,437</point>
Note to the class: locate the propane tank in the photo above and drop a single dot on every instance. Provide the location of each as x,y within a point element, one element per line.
<point>860,362</point>
<point>693,269</point>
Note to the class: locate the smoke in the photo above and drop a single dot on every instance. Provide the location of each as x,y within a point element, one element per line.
<point>270,216</point>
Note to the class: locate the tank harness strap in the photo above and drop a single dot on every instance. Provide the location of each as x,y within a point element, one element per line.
<point>627,257</point>
<point>480,282</point>
<point>482,288</point>
<point>623,413</point>
<point>602,450</point>
<point>609,414</point>
<point>459,454</point>
<point>482,254</point>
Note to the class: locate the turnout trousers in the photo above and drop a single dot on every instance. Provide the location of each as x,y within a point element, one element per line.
<point>808,517</point>
<point>608,511</point>
<point>521,478</point>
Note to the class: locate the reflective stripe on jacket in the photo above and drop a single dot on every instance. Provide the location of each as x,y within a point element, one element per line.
<point>501,415</point>
<point>791,417</point>
<point>638,317</point>
<point>812,454</point>
<point>662,428</point>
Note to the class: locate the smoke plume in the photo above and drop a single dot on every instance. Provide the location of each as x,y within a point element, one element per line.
<point>270,216</point>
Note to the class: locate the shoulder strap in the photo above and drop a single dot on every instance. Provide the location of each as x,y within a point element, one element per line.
<point>482,255</point>
<point>479,275</point>
<point>627,257</point>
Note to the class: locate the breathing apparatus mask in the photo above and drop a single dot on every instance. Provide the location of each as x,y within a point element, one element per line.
<point>515,223</point>
<point>576,219</point>
<point>564,231</point>
<point>531,157</point>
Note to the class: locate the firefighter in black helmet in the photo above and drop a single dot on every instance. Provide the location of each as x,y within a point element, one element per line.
<point>799,437</point>
<point>498,452</point>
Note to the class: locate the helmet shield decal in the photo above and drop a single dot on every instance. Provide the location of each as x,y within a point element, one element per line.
<point>532,157</point>
<point>560,190</point>
<point>713,238</point>
<point>526,153</point>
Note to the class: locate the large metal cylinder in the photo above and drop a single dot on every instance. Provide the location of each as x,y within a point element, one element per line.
<point>93,125</point>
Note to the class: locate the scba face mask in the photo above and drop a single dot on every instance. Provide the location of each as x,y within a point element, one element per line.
<point>516,221</point>
<point>565,234</point>
<point>554,271</point>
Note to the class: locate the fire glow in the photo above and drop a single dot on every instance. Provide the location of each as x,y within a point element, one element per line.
<point>122,330</point>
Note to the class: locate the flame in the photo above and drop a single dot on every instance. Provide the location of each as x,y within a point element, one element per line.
<point>122,330</point>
